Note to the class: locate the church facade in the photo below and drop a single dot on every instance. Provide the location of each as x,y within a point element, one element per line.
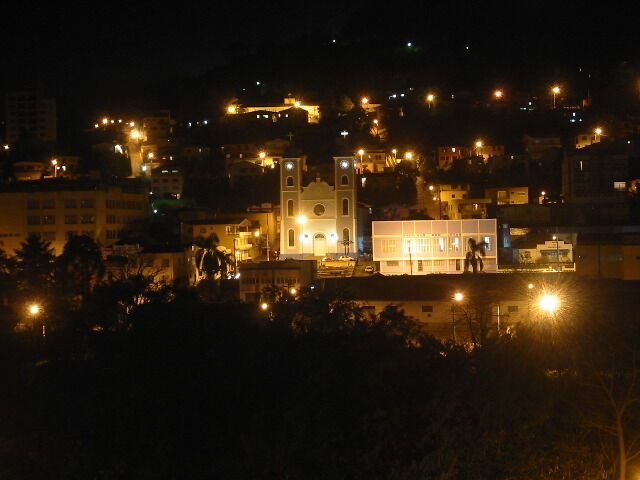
<point>318,219</point>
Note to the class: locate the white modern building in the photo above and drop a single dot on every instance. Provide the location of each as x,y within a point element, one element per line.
<point>420,247</point>
<point>318,219</point>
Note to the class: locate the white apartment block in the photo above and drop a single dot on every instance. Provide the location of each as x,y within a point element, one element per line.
<point>420,247</point>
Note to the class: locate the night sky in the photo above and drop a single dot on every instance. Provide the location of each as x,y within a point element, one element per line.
<point>97,49</point>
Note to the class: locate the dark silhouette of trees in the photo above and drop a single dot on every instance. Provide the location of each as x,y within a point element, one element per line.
<point>211,261</point>
<point>80,265</point>
<point>35,265</point>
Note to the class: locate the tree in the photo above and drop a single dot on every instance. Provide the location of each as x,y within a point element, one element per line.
<point>211,261</point>
<point>35,265</point>
<point>81,265</point>
<point>474,256</point>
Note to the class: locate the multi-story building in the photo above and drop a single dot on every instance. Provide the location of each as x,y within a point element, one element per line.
<point>157,125</point>
<point>318,219</point>
<point>585,139</point>
<point>373,161</point>
<point>508,195</point>
<point>234,235</point>
<point>611,255</point>
<point>419,247</point>
<point>289,103</point>
<point>167,182</point>
<point>286,275</point>
<point>30,115</point>
<point>448,155</point>
<point>595,182</point>
<point>168,265</point>
<point>56,211</point>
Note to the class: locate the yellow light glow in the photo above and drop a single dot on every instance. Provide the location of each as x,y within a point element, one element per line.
<point>598,131</point>
<point>293,291</point>
<point>479,144</point>
<point>6,147</point>
<point>105,121</point>
<point>95,125</point>
<point>530,286</point>
<point>361,152</point>
<point>431,187</point>
<point>256,233</point>
<point>364,100</point>
<point>132,124</point>
<point>498,94</point>
<point>297,104</point>
<point>431,97</point>
<point>301,219</point>
<point>54,162</point>
<point>232,109</point>
<point>264,305</point>
<point>262,154</point>
<point>556,90</point>
<point>435,198</point>
<point>375,121</point>
<point>458,297</point>
<point>394,151</point>
<point>543,193</point>
<point>408,155</point>
<point>150,155</point>
<point>134,134</point>
<point>549,302</point>
<point>34,309</point>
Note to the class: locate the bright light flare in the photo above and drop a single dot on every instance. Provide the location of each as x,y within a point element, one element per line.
<point>34,309</point>
<point>431,97</point>
<point>264,305</point>
<point>232,109</point>
<point>598,131</point>
<point>293,291</point>
<point>301,219</point>
<point>458,296</point>
<point>549,302</point>
<point>364,100</point>
<point>498,94</point>
<point>556,90</point>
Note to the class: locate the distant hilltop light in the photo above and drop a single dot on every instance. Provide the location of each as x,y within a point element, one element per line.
<point>409,44</point>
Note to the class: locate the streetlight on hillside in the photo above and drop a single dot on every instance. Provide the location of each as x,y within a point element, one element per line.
<point>555,91</point>
<point>458,297</point>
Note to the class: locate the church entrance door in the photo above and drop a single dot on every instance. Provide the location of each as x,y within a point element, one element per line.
<point>319,245</point>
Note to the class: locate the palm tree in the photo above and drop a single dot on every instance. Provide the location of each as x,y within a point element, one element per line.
<point>211,261</point>
<point>474,256</point>
<point>35,264</point>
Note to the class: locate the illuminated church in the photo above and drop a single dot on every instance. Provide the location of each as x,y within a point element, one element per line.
<point>318,219</point>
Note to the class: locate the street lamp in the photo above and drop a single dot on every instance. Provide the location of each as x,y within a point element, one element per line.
<point>364,101</point>
<point>458,297</point>
<point>35,310</point>
<point>54,162</point>
<point>232,109</point>
<point>430,98</point>
<point>598,131</point>
<point>264,306</point>
<point>498,94</point>
<point>361,153</point>
<point>301,220</point>
<point>555,90</point>
<point>438,198</point>
<point>408,156</point>
<point>549,303</point>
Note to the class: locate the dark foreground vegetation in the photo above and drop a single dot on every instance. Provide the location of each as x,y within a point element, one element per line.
<point>135,381</point>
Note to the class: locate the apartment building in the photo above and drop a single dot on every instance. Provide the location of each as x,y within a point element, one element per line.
<point>420,247</point>
<point>56,210</point>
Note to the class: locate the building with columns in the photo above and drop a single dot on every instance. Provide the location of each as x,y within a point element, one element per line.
<point>318,219</point>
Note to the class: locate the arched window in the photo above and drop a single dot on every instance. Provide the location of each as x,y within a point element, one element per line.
<point>289,181</point>
<point>345,235</point>
<point>292,238</point>
<point>345,206</point>
<point>344,180</point>
<point>289,208</point>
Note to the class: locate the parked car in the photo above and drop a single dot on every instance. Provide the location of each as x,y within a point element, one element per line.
<point>368,269</point>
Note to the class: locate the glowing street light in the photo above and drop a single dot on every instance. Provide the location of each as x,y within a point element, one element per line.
<point>134,134</point>
<point>430,99</point>
<point>6,147</point>
<point>498,94</point>
<point>457,297</point>
<point>34,309</point>
<point>293,291</point>
<point>375,121</point>
<point>549,303</point>
<point>598,131</point>
<point>555,90</point>
<point>264,306</point>
<point>232,109</point>
<point>408,156</point>
<point>479,144</point>
<point>364,100</point>
<point>301,219</point>
<point>431,188</point>
<point>262,154</point>
<point>297,104</point>
<point>530,286</point>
